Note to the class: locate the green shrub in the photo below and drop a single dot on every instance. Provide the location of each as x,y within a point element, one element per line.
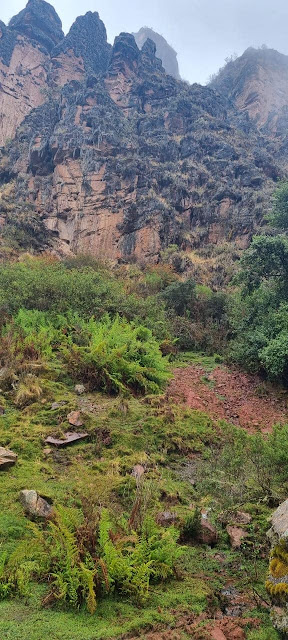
<point>180,296</point>
<point>117,356</point>
<point>110,354</point>
<point>192,526</point>
<point>82,564</point>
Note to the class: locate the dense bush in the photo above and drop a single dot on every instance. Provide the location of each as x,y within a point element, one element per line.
<point>198,316</point>
<point>81,285</point>
<point>109,354</point>
<point>259,315</point>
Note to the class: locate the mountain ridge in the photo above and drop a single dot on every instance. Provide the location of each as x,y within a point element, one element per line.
<point>119,158</point>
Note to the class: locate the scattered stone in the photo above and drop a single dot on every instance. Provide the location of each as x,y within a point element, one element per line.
<point>208,534</point>
<point>34,505</point>
<point>7,458</point>
<point>242,518</point>
<point>57,405</point>
<point>166,518</point>
<point>138,473</point>
<point>69,438</point>
<point>75,419</point>
<point>80,389</point>
<point>236,536</point>
<point>47,451</point>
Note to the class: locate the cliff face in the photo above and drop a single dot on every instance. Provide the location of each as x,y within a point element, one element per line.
<point>36,58</point>
<point>257,83</point>
<point>164,51</point>
<point>118,158</point>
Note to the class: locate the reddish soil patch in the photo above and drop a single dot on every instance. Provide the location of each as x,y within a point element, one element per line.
<point>199,628</point>
<point>229,394</point>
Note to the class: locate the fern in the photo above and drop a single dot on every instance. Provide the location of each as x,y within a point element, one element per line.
<point>125,561</point>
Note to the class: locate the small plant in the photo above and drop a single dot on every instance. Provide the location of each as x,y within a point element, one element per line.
<point>192,526</point>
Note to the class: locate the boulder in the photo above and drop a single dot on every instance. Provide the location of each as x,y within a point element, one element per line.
<point>217,634</point>
<point>207,534</point>
<point>7,458</point>
<point>75,419</point>
<point>79,389</point>
<point>57,405</point>
<point>236,536</point>
<point>166,518</point>
<point>34,505</point>
<point>241,517</point>
<point>279,524</point>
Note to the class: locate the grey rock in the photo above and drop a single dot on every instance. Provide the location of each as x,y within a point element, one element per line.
<point>79,389</point>
<point>167,518</point>
<point>164,51</point>
<point>57,405</point>
<point>279,522</point>
<point>7,458</point>
<point>34,505</point>
<point>69,438</point>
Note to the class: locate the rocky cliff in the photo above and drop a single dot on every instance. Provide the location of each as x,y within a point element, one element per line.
<point>164,51</point>
<point>36,58</point>
<point>257,83</point>
<point>116,156</point>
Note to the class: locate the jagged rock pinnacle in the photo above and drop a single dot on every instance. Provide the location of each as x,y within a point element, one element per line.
<point>88,39</point>
<point>164,51</point>
<point>40,22</point>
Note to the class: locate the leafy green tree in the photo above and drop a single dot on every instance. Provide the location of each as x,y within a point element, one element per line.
<point>279,215</point>
<point>259,316</point>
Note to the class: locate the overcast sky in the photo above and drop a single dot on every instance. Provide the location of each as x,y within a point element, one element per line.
<point>203,32</point>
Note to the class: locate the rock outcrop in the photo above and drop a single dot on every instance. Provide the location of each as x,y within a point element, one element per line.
<point>87,41</point>
<point>35,505</point>
<point>36,59</point>
<point>164,51</point>
<point>7,458</point>
<point>257,83</point>
<point>40,23</point>
<point>115,156</point>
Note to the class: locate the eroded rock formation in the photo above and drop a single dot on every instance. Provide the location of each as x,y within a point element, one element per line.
<point>257,82</point>
<point>164,51</point>
<point>117,157</point>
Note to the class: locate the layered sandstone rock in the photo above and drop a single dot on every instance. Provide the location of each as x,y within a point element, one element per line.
<point>23,81</point>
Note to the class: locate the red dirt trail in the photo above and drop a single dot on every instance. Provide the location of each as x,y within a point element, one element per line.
<point>231,395</point>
